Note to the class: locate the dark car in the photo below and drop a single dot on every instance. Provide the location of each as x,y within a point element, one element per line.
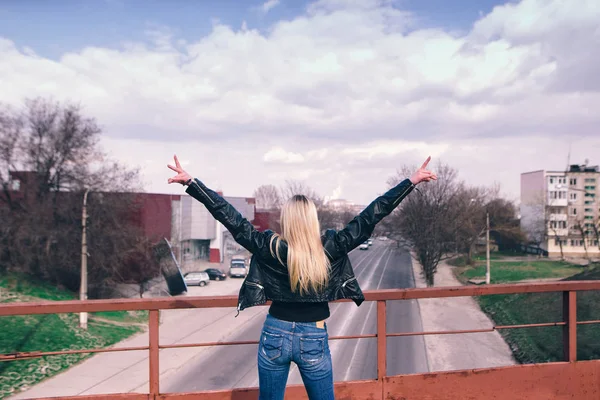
<point>215,274</point>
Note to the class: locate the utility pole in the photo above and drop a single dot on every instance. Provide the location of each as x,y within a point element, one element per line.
<point>487,250</point>
<point>180,228</point>
<point>83,317</point>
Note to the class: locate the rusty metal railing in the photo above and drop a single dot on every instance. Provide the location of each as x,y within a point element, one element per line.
<point>569,322</point>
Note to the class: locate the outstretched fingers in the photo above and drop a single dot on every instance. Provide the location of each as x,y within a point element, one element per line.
<point>177,162</point>
<point>426,163</point>
<point>176,169</point>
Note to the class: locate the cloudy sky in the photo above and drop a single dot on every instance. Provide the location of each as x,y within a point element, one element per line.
<point>338,93</point>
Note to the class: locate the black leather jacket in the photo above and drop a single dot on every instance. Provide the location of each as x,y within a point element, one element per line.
<point>268,279</point>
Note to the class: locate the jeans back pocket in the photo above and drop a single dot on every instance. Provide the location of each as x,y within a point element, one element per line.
<point>271,345</point>
<point>312,350</point>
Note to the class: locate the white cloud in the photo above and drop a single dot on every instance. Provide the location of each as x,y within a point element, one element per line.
<point>279,155</point>
<point>350,86</point>
<point>268,5</point>
<point>394,148</point>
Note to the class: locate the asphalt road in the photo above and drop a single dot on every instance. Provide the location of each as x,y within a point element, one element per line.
<point>381,267</point>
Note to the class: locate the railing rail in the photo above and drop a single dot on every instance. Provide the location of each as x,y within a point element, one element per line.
<point>569,322</point>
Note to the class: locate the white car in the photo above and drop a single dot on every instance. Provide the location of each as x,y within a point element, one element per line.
<point>364,246</point>
<point>237,269</point>
<point>370,242</point>
<point>196,279</point>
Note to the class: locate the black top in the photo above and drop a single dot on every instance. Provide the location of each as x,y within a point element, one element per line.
<point>300,312</point>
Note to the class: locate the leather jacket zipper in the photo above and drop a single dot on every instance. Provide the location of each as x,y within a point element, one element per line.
<point>403,193</point>
<point>205,194</point>
<point>348,281</point>
<point>258,285</point>
<point>254,284</point>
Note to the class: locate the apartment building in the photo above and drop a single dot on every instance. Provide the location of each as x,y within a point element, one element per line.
<point>560,210</point>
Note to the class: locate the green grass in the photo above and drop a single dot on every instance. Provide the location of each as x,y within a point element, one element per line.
<point>498,255</point>
<point>534,345</point>
<point>51,333</point>
<point>512,271</point>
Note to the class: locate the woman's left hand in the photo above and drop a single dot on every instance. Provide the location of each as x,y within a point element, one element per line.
<point>422,174</point>
<point>182,177</point>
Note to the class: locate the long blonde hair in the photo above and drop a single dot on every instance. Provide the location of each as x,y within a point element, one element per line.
<point>308,265</point>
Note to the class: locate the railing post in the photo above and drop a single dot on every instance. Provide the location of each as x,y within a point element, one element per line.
<point>381,340</point>
<point>570,329</point>
<point>154,351</point>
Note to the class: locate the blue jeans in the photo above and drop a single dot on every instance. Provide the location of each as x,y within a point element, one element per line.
<point>282,342</point>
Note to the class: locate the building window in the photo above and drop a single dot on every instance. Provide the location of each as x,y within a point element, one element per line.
<point>573,181</point>
<point>590,180</point>
<point>558,224</point>
<point>589,210</point>
<point>562,180</point>
<point>573,211</point>
<point>590,188</point>
<point>551,180</point>
<point>589,217</point>
<point>573,196</point>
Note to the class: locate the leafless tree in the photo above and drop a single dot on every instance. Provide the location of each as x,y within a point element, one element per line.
<point>504,224</point>
<point>294,187</point>
<point>582,230</point>
<point>446,217</point>
<point>425,219</point>
<point>52,150</point>
<point>267,197</point>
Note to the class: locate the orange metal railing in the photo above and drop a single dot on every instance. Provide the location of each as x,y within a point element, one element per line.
<point>587,374</point>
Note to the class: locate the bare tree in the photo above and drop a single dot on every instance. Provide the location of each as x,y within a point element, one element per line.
<point>425,220</point>
<point>584,233</point>
<point>596,229</point>
<point>52,151</point>
<point>267,197</point>
<point>504,224</point>
<point>294,187</point>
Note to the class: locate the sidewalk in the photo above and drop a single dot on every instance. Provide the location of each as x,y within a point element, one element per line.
<point>125,372</point>
<point>459,351</point>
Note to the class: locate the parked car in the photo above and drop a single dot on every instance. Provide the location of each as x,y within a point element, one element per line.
<point>215,274</point>
<point>364,246</point>
<point>237,269</point>
<point>370,242</point>
<point>200,278</point>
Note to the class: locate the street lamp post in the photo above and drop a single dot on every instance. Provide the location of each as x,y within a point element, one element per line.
<point>487,249</point>
<point>83,317</point>
<point>487,245</point>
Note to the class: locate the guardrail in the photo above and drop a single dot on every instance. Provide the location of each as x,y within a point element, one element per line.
<point>569,379</point>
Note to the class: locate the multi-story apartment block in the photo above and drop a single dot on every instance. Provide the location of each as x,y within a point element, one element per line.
<point>560,210</point>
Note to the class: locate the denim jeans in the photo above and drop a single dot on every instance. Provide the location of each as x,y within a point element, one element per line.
<point>282,342</point>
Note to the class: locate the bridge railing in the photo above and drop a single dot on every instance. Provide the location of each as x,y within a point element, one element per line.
<point>568,379</point>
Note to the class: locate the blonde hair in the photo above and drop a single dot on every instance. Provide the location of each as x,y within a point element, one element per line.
<point>307,263</point>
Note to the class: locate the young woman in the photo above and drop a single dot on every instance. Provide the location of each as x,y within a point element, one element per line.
<point>300,271</point>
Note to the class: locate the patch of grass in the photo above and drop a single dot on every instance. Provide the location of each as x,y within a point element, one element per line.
<point>498,255</point>
<point>534,345</point>
<point>30,287</point>
<point>123,316</point>
<point>512,271</point>
<point>52,332</point>
<point>459,261</point>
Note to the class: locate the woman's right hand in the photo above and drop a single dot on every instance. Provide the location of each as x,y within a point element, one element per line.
<point>422,174</point>
<point>182,177</point>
